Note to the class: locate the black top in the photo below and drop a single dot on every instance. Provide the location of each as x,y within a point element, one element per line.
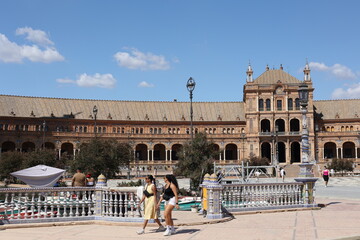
<point>168,191</point>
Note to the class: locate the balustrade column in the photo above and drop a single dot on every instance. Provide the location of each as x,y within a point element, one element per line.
<point>355,152</point>
<point>213,191</point>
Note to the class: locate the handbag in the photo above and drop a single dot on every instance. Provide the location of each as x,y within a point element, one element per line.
<point>147,194</point>
<point>166,197</point>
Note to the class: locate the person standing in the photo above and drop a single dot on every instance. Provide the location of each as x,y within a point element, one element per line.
<point>79,179</point>
<point>325,175</point>
<point>282,174</point>
<point>90,181</point>
<point>150,199</point>
<point>171,196</point>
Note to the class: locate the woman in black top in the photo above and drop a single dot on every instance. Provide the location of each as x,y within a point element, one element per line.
<point>171,196</point>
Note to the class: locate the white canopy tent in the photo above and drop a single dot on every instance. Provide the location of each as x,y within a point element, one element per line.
<point>39,176</point>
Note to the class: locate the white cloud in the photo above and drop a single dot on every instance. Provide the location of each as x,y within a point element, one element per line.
<point>96,80</point>
<point>349,93</point>
<point>338,70</point>
<point>36,36</point>
<point>134,59</point>
<point>11,52</point>
<point>145,84</point>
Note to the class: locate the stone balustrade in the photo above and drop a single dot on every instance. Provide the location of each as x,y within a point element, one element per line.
<point>23,205</point>
<point>245,197</point>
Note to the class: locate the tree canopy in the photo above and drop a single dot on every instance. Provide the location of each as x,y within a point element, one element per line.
<point>102,156</point>
<point>196,158</point>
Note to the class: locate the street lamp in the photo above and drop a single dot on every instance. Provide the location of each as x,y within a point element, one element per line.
<point>305,175</point>
<point>95,111</point>
<point>44,126</point>
<point>190,87</point>
<point>304,97</point>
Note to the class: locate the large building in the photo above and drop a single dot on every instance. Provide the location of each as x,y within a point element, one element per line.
<point>266,123</point>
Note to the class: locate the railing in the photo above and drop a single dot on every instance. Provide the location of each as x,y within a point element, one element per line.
<point>67,204</point>
<point>247,197</point>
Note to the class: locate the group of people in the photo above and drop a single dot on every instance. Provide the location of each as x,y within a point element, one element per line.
<point>152,203</point>
<point>81,180</point>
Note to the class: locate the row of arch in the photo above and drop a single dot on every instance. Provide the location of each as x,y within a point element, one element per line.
<point>231,151</point>
<point>265,125</point>
<point>142,151</point>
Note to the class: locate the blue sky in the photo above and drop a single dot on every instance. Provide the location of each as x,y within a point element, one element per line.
<point>147,50</point>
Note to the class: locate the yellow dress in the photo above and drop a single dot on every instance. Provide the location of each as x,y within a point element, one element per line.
<point>150,211</point>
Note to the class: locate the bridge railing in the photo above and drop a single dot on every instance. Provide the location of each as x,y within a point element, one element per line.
<point>67,204</point>
<point>251,196</point>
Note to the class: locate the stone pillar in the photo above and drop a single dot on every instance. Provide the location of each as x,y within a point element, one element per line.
<point>148,155</point>
<point>308,190</point>
<point>98,202</point>
<point>212,191</point>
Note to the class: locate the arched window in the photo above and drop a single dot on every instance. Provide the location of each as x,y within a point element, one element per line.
<point>297,104</point>
<point>268,105</point>
<point>290,104</point>
<point>279,105</point>
<point>261,105</point>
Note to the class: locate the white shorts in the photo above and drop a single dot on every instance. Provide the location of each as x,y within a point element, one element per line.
<point>171,201</point>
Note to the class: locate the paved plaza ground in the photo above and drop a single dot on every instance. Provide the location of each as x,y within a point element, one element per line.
<point>338,219</point>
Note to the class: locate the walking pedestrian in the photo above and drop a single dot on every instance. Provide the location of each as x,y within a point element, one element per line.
<point>150,199</point>
<point>325,175</point>
<point>170,195</point>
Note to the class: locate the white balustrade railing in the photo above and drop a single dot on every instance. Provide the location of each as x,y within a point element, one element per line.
<point>261,195</point>
<point>35,203</point>
<point>67,203</point>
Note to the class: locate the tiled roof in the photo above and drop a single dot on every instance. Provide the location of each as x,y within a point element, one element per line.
<point>20,106</point>
<point>272,76</point>
<point>338,109</point>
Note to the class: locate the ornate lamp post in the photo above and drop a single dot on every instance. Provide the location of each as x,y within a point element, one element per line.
<point>95,111</point>
<point>190,87</point>
<point>305,176</point>
<point>44,126</point>
<point>304,98</point>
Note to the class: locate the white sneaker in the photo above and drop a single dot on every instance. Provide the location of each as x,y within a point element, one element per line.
<point>142,231</point>
<point>173,231</point>
<point>160,229</point>
<point>167,232</point>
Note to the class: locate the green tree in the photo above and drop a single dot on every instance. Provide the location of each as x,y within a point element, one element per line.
<point>102,156</point>
<point>10,162</point>
<point>341,165</point>
<point>195,159</point>
<point>43,157</point>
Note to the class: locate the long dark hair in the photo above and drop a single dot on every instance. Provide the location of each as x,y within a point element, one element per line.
<point>152,179</point>
<point>172,179</point>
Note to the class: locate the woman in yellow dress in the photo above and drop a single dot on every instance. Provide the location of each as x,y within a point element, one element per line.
<point>149,197</point>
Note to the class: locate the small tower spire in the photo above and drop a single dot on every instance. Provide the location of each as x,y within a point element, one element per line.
<point>307,77</point>
<point>249,74</point>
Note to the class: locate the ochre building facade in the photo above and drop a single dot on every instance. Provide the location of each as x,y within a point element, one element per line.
<point>266,123</point>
